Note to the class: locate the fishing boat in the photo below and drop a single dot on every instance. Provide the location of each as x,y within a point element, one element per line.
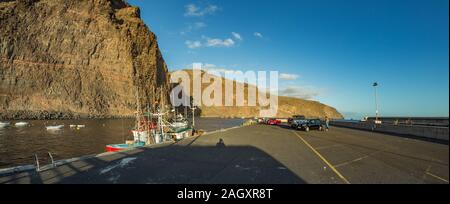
<point>21,124</point>
<point>142,129</point>
<point>55,127</point>
<point>179,128</point>
<point>180,133</point>
<point>142,132</point>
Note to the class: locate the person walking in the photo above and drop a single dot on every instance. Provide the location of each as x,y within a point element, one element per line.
<point>327,123</point>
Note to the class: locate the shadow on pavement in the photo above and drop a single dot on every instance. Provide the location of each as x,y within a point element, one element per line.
<point>220,164</point>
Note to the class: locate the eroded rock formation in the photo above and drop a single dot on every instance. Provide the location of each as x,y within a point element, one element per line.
<point>83,58</point>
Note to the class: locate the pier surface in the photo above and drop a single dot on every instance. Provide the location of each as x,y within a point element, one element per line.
<point>263,155</point>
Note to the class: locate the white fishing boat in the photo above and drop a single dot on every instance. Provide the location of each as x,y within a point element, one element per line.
<point>55,127</point>
<point>72,126</point>
<point>81,126</point>
<point>180,133</point>
<point>143,132</point>
<point>21,124</point>
<point>4,124</point>
<point>140,135</point>
<point>179,128</point>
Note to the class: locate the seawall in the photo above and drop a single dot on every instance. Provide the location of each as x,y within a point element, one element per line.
<point>430,132</point>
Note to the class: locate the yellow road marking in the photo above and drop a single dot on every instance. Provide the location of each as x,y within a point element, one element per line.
<point>323,159</point>
<point>442,179</point>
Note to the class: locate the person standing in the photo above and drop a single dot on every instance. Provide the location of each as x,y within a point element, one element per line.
<point>327,123</point>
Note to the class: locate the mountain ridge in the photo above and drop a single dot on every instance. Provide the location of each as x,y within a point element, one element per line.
<point>287,106</point>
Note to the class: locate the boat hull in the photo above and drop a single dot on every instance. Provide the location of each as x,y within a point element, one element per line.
<point>121,147</point>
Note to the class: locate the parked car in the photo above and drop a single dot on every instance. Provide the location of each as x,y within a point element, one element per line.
<point>296,117</point>
<point>263,120</point>
<point>297,122</point>
<point>311,124</point>
<point>273,121</point>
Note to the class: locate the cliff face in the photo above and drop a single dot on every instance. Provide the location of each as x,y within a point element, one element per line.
<point>88,58</point>
<point>287,106</point>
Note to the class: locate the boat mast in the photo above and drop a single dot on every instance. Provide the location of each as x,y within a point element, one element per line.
<point>161,110</point>
<point>138,108</point>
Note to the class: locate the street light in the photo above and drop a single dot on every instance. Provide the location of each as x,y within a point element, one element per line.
<point>375,85</point>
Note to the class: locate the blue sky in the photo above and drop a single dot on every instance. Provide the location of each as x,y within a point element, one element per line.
<point>328,50</point>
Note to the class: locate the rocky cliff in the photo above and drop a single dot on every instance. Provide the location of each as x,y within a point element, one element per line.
<point>287,106</point>
<point>66,58</point>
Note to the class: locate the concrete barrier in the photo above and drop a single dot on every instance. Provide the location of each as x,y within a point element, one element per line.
<point>431,132</point>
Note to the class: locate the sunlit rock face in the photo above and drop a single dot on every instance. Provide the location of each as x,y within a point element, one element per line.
<point>83,58</point>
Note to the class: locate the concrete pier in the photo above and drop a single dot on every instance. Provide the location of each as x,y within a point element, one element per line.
<point>262,154</point>
<point>429,132</point>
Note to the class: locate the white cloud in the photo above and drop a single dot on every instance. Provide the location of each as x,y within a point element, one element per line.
<point>299,92</point>
<point>259,35</point>
<point>285,76</point>
<point>194,10</point>
<point>216,42</point>
<point>237,36</point>
<point>210,42</point>
<point>193,44</point>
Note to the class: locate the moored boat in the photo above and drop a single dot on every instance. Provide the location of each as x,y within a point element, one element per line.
<point>120,147</point>
<point>142,132</point>
<point>21,124</point>
<point>180,133</point>
<point>4,124</point>
<point>55,127</point>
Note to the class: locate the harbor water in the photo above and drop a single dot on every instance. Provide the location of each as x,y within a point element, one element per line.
<point>18,145</point>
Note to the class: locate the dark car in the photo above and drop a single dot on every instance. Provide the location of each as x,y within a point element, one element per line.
<point>296,117</point>
<point>295,123</point>
<point>311,124</point>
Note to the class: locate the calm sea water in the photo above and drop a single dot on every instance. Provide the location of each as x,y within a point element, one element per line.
<point>19,145</point>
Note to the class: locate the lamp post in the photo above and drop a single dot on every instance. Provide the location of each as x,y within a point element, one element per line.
<point>375,85</point>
